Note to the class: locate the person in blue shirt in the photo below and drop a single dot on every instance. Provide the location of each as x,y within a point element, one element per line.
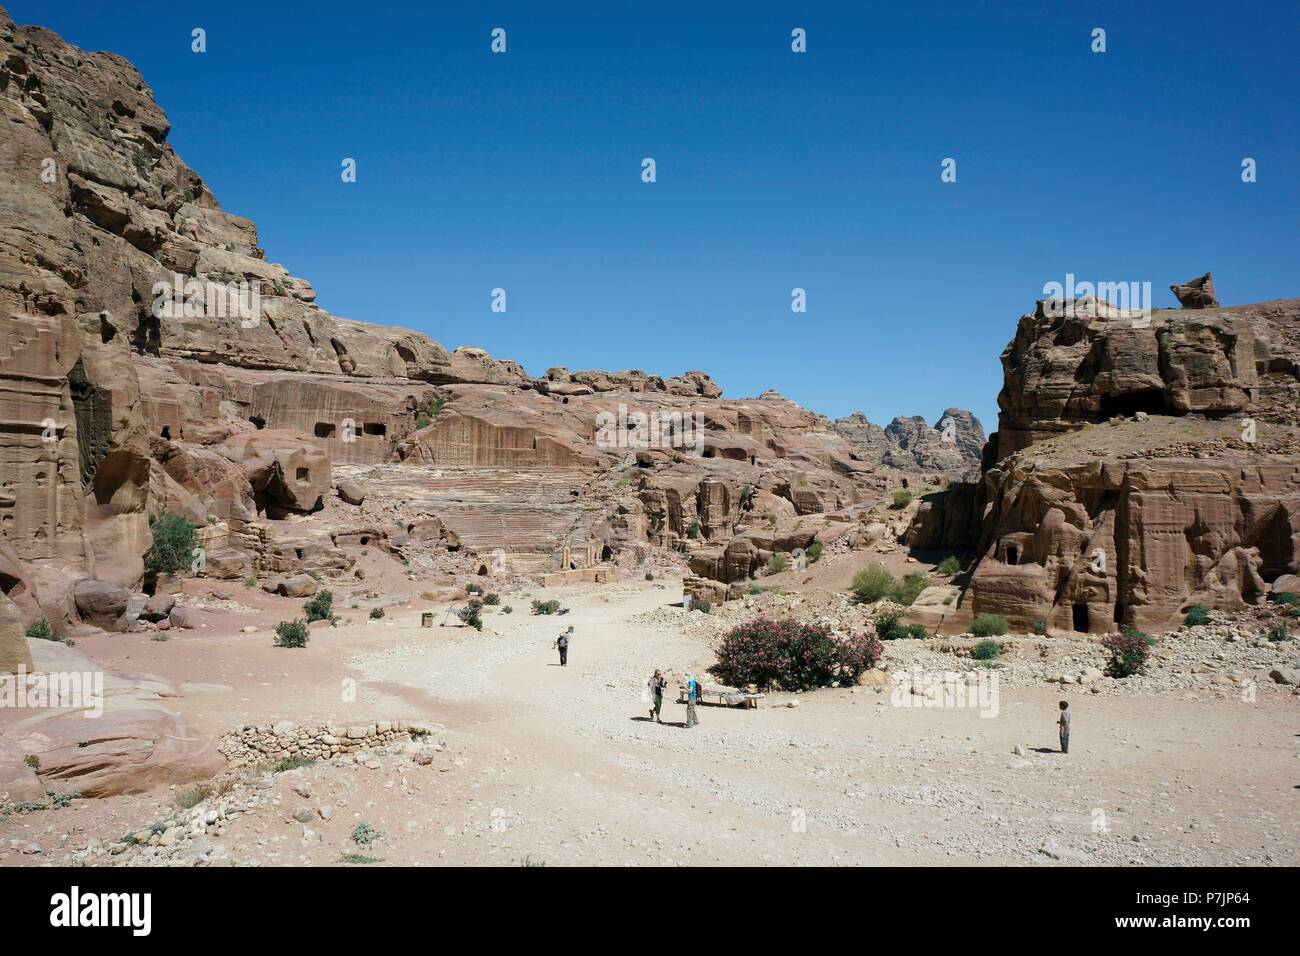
<point>692,695</point>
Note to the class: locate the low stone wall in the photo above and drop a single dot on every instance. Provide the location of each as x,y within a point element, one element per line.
<point>278,741</point>
<point>601,575</point>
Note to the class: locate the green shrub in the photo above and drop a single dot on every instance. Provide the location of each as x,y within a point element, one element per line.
<point>292,763</point>
<point>1040,628</point>
<point>649,576</point>
<point>909,589</point>
<point>777,563</point>
<point>250,582</point>
<point>694,530</point>
<point>320,606</point>
<point>888,628</point>
<point>951,565</point>
<point>292,633</point>
<point>704,606</point>
<point>376,613</point>
<point>41,630</point>
<point>471,614</point>
<point>507,610</point>
<point>793,656</point>
<point>492,599</point>
<point>902,498</point>
<point>986,650</point>
<point>1279,633</point>
<point>473,588</point>
<point>173,544</point>
<point>755,589</point>
<point>359,858</point>
<point>363,834</point>
<point>916,631</point>
<point>1197,615</point>
<point>989,625</point>
<point>62,798</point>
<point>191,798</point>
<point>873,583</point>
<point>546,607</point>
<point>814,551</point>
<point>1285,597</point>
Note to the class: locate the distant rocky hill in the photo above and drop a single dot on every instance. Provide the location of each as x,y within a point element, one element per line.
<point>952,446</point>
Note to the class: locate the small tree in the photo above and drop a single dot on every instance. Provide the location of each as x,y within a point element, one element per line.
<point>292,633</point>
<point>902,498</point>
<point>172,550</point>
<point>777,563</point>
<point>814,552</point>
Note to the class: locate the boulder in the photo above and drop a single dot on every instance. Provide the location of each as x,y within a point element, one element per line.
<point>102,604</point>
<point>186,618</point>
<point>351,492</point>
<point>132,747</point>
<point>1196,293</point>
<point>1286,583</point>
<point>294,586</point>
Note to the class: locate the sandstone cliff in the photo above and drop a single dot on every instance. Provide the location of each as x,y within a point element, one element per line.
<point>152,357</point>
<point>1138,469</point>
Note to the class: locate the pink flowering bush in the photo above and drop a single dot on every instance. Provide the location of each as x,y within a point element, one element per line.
<point>1128,653</point>
<point>793,656</point>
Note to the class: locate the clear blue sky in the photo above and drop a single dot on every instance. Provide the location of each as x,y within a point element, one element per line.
<point>775,170</point>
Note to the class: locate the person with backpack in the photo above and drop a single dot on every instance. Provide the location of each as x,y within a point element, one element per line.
<point>562,645</point>
<point>657,685</point>
<point>693,689</point>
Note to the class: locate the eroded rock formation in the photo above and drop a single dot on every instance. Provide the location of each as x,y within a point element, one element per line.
<point>1136,471</point>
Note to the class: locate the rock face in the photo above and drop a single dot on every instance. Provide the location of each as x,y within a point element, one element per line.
<point>13,641</point>
<point>1135,472</point>
<point>133,745</point>
<point>1064,372</point>
<point>1196,294</point>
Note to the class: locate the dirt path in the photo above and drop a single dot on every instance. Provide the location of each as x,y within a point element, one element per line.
<point>560,765</point>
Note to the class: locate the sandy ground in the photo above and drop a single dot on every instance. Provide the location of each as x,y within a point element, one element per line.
<point>546,765</point>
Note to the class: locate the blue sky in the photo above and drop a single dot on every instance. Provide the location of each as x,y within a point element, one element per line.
<point>775,170</point>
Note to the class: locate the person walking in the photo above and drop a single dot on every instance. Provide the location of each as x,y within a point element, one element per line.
<point>1064,724</point>
<point>562,645</point>
<point>657,685</point>
<point>692,695</point>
